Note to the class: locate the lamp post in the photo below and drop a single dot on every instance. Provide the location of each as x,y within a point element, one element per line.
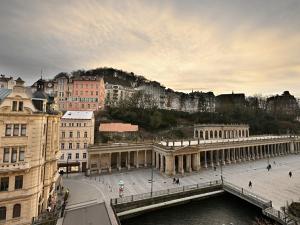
<point>221,164</point>
<point>68,167</point>
<point>151,181</point>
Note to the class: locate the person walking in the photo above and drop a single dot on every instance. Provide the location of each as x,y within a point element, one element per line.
<point>174,180</point>
<point>250,184</point>
<point>290,174</point>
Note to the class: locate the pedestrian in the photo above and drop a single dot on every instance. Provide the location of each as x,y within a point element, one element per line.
<point>174,180</point>
<point>290,174</point>
<point>215,168</point>
<point>250,184</point>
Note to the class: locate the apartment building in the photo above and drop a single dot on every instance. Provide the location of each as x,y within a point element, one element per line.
<point>28,155</point>
<point>114,93</point>
<point>76,133</point>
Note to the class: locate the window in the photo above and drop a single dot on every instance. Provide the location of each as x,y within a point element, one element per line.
<point>84,155</point>
<point>14,106</point>
<point>6,155</point>
<point>63,134</point>
<point>96,92</point>
<point>4,183</point>
<point>78,145</point>
<point>14,154</point>
<point>21,154</point>
<point>89,106</point>
<point>8,129</point>
<point>85,145</point>
<point>77,155</point>
<point>23,129</point>
<point>16,130</point>
<point>78,134</point>
<point>20,106</point>
<point>19,182</point>
<point>62,156</point>
<point>85,134</point>
<point>71,134</point>
<point>69,155</point>
<point>17,210</point>
<point>70,146</point>
<point>92,93</point>
<point>2,213</point>
<point>62,145</point>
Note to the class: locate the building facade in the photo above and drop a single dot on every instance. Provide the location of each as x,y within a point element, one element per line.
<point>114,94</point>
<point>220,131</point>
<point>28,156</point>
<point>76,134</point>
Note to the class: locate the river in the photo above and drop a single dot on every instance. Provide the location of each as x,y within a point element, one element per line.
<point>225,209</point>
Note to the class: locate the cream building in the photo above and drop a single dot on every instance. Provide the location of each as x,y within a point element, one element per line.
<point>225,144</point>
<point>76,134</point>
<point>28,155</point>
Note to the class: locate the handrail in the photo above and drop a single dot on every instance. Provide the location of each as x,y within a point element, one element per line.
<point>149,195</point>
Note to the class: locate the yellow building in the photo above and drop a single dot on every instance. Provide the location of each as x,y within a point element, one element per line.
<point>28,154</point>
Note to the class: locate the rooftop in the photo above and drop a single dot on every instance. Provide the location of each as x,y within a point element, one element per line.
<point>4,93</point>
<point>118,127</point>
<point>81,115</point>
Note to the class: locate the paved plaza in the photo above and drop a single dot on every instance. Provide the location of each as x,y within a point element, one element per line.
<point>274,185</point>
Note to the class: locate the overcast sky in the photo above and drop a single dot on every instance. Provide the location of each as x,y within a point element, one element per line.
<point>250,46</point>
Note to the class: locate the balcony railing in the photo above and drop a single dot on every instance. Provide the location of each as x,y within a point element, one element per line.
<point>7,167</point>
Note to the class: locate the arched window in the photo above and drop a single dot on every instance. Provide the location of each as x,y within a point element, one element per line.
<point>243,133</point>
<point>211,134</point>
<point>196,134</point>
<point>201,134</point>
<point>17,210</point>
<point>220,134</point>
<point>216,134</point>
<point>2,213</point>
<point>206,134</point>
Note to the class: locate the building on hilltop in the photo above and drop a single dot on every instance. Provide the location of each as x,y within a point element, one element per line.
<point>28,155</point>
<point>75,135</point>
<point>117,93</point>
<point>6,82</point>
<point>283,105</point>
<point>227,102</point>
<point>220,131</point>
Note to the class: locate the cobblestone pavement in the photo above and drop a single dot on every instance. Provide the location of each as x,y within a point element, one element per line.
<point>274,185</point>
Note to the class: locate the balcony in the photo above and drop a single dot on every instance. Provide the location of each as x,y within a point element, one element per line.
<point>9,167</point>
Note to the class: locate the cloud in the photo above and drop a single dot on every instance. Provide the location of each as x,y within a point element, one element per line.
<point>220,46</point>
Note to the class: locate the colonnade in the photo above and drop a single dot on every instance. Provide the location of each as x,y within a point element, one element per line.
<point>184,159</point>
<point>188,162</point>
<point>218,133</point>
<point>120,160</point>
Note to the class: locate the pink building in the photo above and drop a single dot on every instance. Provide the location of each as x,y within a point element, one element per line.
<point>88,94</point>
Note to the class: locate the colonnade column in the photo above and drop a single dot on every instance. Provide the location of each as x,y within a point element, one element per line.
<point>188,163</point>
<point>205,159</point>
<point>180,164</point>
<point>212,158</point>
<point>119,161</point>
<point>109,162</point>
<point>156,160</point>
<point>145,159</point>
<point>128,160</point>
<point>223,156</point>
<point>162,169</point>
<point>170,166</point>
<point>196,161</point>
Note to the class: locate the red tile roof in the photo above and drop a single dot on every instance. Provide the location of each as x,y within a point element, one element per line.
<point>118,127</point>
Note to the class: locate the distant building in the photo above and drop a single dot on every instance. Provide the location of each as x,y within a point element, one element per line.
<point>118,129</point>
<point>28,155</point>
<point>156,92</point>
<point>76,133</point>
<point>283,105</point>
<point>7,82</point>
<point>227,102</point>
<point>48,86</point>
<point>114,94</point>
<point>87,94</point>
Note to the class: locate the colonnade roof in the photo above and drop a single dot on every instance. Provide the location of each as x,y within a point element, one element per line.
<point>221,125</point>
<point>181,143</point>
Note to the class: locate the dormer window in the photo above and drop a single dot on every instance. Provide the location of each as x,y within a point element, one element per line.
<point>14,106</point>
<point>20,106</point>
<point>17,106</point>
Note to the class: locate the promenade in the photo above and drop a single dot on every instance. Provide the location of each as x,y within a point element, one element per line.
<point>274,185</point>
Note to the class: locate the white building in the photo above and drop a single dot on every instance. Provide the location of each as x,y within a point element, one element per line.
<point>115,93</point>
<point>76,133</point>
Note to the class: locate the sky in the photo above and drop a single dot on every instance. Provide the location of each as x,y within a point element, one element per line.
<point>222,46</point>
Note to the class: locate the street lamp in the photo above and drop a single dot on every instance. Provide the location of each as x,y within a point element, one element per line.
<point>151,180</point>
<point>221,164</point>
